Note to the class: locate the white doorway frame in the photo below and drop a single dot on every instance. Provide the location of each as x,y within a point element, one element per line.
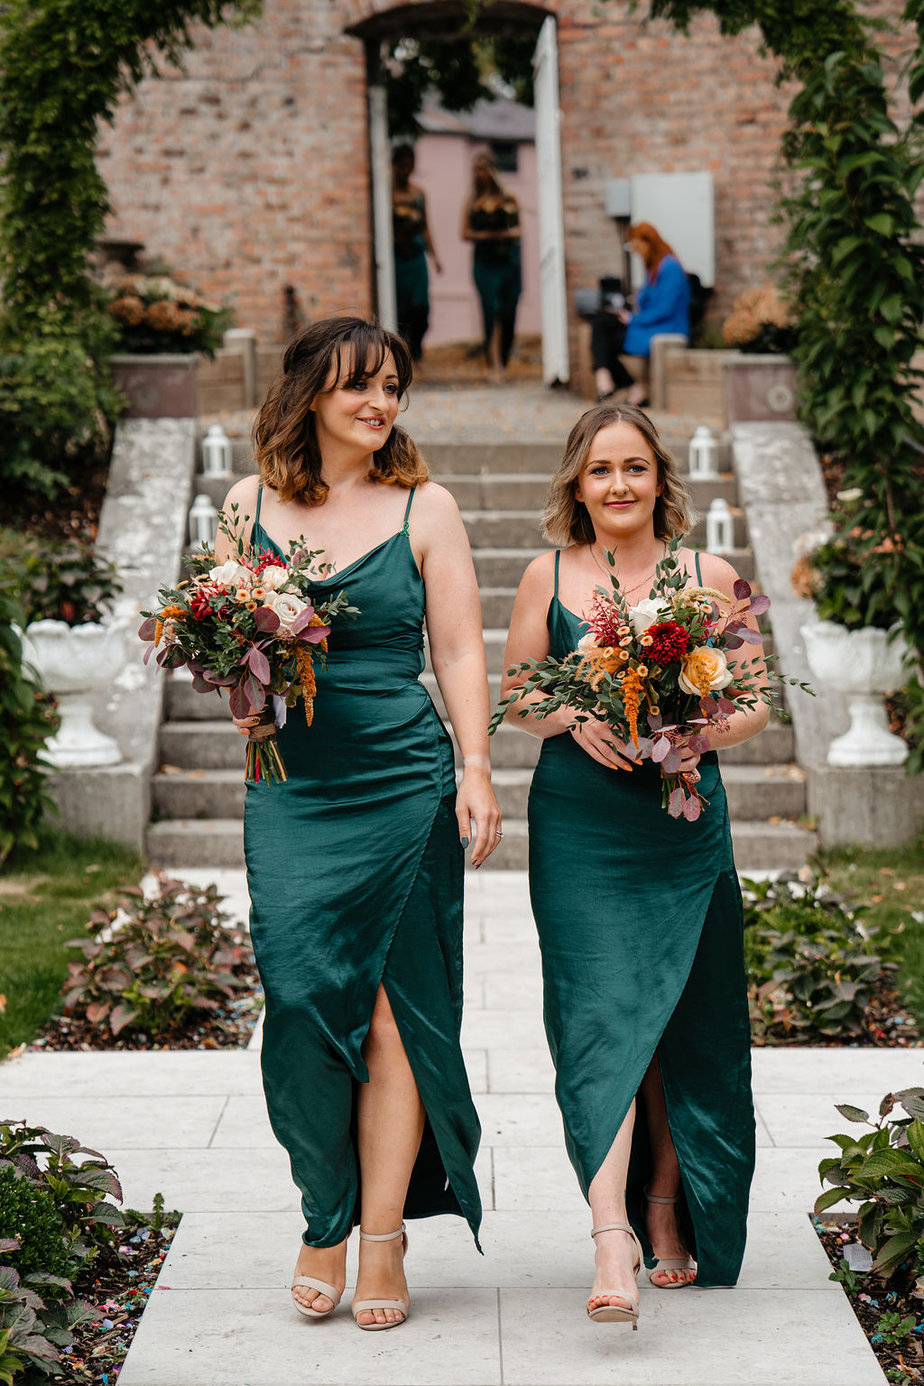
<point>553,297</point>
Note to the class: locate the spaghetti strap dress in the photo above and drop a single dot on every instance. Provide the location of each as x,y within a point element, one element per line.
<point>355,872</point>
<point>640,929</point>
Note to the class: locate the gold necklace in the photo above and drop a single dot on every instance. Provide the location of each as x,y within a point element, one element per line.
<point>611,572</point>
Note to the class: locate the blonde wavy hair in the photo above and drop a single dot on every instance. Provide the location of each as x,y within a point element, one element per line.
<point>565,520</point>
<point>285,440</point>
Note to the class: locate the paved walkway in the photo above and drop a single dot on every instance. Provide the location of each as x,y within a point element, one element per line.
<point>192,1126</point>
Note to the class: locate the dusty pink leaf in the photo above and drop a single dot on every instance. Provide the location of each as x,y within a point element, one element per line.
<point>147,629</point>
<point>692,809</point>
<point>266,619</point>
<point>259,664</point>
<point>662,748</point>
<point>675,803</point>
<point>760,604</point>
<point>741,589</point>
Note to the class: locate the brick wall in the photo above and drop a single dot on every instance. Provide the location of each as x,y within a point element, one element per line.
<point>250,171</point>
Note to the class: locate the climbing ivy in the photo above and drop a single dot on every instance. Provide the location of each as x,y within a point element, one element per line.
<point>852,262</point>
<point>64,64</point>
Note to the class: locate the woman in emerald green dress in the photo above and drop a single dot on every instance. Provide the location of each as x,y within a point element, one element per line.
<point>355,862</point>
<point>639,914</point>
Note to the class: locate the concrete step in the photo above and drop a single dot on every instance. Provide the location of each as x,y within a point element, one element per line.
<point>758,847</point>
<point>497,605</point>
<point>198,794</point>
<point>523,528</point>
<point>201,745</point>
<point>196,842</point>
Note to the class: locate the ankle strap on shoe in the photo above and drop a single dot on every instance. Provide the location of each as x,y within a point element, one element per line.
<point>613,1227</point>
<point>381,1236</point>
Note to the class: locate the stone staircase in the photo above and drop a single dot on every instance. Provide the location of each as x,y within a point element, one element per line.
<point>198,793</point>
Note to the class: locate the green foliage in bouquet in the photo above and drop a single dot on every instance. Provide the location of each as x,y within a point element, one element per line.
<point>161,965</point>
<point>812,967</point>
<point>882,1170</point>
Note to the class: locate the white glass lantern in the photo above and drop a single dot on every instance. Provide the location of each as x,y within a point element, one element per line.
<point>704,453</point>
<point>203,522</point>
<point>216,452</point>
<point>720,527</point>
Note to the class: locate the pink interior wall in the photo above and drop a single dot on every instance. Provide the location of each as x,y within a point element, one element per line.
<point>443,170</point>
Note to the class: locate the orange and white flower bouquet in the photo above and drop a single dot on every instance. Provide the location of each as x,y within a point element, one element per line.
<point>658,672</point>
<point>248,626</point>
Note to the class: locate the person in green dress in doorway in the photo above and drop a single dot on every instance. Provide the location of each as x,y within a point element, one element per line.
<point>638,914</point>
<point>491,220</point>
<point>355,862</point>
<point>412,244</point>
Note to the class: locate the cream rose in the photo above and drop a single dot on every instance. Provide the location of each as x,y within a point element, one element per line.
<point>646,614</point>
<point>704,671</point>
<point>587,642</point>
<point>274,578</point>
<point>231,574</point>
<point>287,607</point>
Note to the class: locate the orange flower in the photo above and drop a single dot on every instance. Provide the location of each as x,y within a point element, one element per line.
<point>631,689</point>
<point>597,661</point>
<point>306,678</point>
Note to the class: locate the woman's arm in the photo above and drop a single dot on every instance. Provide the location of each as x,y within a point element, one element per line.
<point>453,611</point>
<point>528,639</point>
<point>243,494</point>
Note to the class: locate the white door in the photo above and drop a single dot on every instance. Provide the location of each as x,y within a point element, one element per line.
<point>381,208</point>
<point>555,365</point>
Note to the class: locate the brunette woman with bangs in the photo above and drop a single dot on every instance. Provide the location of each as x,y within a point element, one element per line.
<point>355,863</point>
<point>639,914</point>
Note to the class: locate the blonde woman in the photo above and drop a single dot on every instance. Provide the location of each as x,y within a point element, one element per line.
<point>639,914</point>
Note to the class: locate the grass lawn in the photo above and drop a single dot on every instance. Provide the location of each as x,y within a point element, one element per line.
<point>891,882</point>
<point>46,898</point>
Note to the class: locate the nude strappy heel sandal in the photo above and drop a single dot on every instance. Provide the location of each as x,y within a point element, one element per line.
<point>323,1288</point>
<point>617,1313</point>
<point>402,1306</point>
<point>672,1263</point>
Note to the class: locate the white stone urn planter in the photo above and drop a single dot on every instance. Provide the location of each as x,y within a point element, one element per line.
<point>72,663</point>
<point>864,664</point>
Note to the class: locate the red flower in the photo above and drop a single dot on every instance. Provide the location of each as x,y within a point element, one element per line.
<point>669,642</point>
<point>604,620</point>
<point>200,604</point>
<point>269,560</point>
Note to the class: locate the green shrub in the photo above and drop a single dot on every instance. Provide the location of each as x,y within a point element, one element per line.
<point>812,968</point>
<point>883,1171</point>
<point>28,717</point>
<point>29,1215</point>
<point>57,401</point>
<point>170,960</point>
<point>59,581</point>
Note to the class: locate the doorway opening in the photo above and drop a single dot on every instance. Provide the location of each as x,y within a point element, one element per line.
<point>459,87</point>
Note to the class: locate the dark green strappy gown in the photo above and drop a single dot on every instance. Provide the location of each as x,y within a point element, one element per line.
<point>640,927</point>
<point>355,872</point>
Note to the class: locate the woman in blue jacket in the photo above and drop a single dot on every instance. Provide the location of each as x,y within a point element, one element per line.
<point>621,341</point>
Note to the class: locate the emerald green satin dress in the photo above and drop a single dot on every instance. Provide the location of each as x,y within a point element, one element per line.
<point>355,872</point>
<point>640,929</point>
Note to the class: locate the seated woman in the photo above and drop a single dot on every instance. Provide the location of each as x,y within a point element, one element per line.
<point>621,341</point>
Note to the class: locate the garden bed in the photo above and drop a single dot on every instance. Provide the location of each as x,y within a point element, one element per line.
<point>889,1312</point>
<point>117,1285</point>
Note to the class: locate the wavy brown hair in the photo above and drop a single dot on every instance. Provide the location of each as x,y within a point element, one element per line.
<point>565,520</point>
<point>285,441</point>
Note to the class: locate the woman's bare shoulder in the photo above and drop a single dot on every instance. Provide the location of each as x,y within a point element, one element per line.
<point>243,494</point>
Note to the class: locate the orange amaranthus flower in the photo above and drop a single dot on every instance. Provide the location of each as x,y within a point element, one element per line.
<point>169,613</point>
<point>631,689</point>
<point>306,676</point>
<point>600,660</point>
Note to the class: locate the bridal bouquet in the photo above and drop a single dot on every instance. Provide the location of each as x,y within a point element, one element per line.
<point>248,625</point>
<point>657,672</point>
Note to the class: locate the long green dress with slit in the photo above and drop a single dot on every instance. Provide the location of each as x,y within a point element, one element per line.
<point>355,872</point>
<point>640,928</point>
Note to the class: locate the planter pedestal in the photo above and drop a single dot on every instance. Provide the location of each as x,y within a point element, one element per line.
<point>157,387</point>
<point>73,661</point>
<point>759,387</point>
<point>864,665</point>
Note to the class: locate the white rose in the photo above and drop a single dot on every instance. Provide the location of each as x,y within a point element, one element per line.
<point>274,578</point>
<point>646,614</point>
<point>705,670</point>
<point>287,607</point>
<point>230,573</point>
<point>587,642</point>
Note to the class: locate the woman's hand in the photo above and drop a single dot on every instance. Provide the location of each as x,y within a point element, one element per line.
<point>477,809</point>
<point>255,725</point>
<point>596,738</point>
